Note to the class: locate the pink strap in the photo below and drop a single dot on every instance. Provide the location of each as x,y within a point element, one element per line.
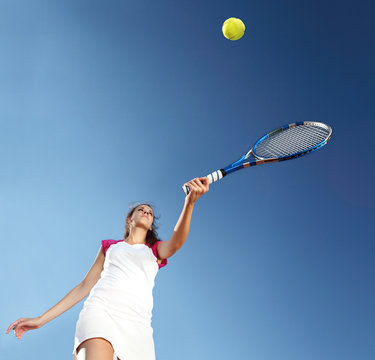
<point>107,243</point>
<point>154,249</point>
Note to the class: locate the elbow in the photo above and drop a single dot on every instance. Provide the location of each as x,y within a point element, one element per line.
<point>84,288</point>
<point>168,252</point>
<point>174,249</point>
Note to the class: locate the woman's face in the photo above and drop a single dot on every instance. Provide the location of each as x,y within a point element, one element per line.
<point>143,215</point>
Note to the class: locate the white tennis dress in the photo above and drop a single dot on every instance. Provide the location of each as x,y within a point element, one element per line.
<point>119,306</point>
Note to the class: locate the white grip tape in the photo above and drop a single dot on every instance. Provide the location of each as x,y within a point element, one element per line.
<point>215,176</point>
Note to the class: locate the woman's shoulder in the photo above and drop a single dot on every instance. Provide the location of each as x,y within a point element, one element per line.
<point>107,243</point>
<point>154,248</point>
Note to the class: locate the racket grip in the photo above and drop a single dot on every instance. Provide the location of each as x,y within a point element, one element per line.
<point>215,176</point>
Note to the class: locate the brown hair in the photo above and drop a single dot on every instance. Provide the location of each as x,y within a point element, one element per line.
<point>152,235</point>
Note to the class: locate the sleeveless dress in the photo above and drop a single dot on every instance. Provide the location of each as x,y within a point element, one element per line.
<point>119,306</point>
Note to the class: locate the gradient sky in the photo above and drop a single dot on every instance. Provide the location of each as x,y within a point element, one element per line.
<point>103,103</point>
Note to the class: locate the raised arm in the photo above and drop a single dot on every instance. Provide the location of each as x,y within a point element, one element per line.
<point>198,187</point>
<point>79,292</point>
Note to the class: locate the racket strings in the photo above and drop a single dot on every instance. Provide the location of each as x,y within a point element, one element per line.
<point>287,144</point>
<point>291,141</point>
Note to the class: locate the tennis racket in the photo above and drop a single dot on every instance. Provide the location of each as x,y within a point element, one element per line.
<point>285,143</point>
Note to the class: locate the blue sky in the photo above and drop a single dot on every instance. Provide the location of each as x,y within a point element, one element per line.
<point>107,103</point>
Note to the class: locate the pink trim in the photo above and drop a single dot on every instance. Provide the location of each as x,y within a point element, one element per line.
<point>107,243</point>
<point>154,249</point>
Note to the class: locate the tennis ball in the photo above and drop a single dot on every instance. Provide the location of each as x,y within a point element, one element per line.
<point>233,28</point>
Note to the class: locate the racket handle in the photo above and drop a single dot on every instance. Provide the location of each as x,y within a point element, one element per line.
<point>215,176</point>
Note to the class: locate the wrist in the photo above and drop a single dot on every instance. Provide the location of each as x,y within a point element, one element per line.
<point>41,320</point>
<point>189,204</point>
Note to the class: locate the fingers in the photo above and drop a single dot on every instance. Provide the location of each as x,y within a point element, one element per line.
<point>197,187</point>
<point>205,181</point>
<point>19,331</point>
<point>13,325</point>
<point>18,327</point>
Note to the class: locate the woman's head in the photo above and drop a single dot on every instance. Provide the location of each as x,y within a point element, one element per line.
<point>142,215</point>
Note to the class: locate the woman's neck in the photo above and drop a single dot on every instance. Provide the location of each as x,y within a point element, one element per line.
<point>136,236</point>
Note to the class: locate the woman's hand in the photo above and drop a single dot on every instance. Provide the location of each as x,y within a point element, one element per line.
<point>197,187</point>
<point>24,324</point>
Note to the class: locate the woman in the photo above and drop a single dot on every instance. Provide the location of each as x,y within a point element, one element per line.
<point>115,322</point>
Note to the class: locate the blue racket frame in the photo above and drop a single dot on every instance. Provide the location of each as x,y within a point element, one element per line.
<point>240,164</point>
<point>258,160</point>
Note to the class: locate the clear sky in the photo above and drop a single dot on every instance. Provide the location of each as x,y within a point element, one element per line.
<point>103,103</point>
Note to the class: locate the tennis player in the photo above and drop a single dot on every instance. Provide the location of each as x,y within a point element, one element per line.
<point>115,322</point>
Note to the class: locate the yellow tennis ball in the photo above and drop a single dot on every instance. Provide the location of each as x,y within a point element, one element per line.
<point>233,28</point>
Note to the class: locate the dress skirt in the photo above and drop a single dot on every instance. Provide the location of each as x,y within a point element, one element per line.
<point>131,340</point>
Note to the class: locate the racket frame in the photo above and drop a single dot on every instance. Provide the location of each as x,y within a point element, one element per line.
<point>258,160</point>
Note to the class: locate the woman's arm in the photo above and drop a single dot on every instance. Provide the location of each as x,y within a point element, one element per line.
<point>198,187</point>
<point>77,293</point>
<point>74,296</point>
